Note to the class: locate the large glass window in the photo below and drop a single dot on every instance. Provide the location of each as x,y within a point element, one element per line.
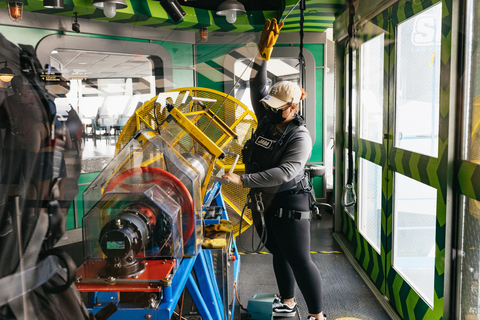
<point>418,82</point>
<point>414,226</point>
<point>370,202</point>
<point>371,89</point>
<point>471,132</point>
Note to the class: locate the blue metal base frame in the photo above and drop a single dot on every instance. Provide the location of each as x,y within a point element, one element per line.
<point>203,288</point>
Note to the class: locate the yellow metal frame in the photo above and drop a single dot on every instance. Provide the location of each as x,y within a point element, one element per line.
<point>196,133</point>
<point>215,148</point>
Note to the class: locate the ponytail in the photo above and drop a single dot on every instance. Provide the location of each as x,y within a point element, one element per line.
<point>304,94</point>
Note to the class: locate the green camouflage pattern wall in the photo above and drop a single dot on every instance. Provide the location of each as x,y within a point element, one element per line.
<point>431,171</point>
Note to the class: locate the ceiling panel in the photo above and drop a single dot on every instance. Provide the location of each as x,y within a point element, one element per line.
<point>319,14</point>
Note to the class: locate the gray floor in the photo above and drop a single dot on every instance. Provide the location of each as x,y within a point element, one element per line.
<point>345,295</point>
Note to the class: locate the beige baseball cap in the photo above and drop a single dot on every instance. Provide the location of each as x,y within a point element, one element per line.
<point>282,93</point>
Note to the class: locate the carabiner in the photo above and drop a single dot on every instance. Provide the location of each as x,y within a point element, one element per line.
<point>259,202</point>
<point>349,198</point>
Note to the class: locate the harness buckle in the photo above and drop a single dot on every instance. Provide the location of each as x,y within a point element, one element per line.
<point>279,213</point>
<point>305,182</point>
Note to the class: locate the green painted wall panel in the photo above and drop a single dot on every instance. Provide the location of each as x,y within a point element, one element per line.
<point>182,54</point>
<point>206,82</point>
<point>83,181</point>
<point>209,52</point>
<point>317,151</point>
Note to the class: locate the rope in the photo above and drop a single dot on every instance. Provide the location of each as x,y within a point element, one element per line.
<point>350,88</point>
<point>301,58</point>
<point>263,237</point>
<point>348,197</point>
<point>235,293</point>
<point>181,305</point>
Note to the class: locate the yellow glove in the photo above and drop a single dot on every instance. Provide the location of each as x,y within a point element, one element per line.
<point>224,225</point>
<point>268,38</point>
<point>214,243</point>
<point>227,224</point>
<point>215,234</point>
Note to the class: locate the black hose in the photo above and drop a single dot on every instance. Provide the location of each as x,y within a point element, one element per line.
<point>263,236</point>
<point>350,89</point>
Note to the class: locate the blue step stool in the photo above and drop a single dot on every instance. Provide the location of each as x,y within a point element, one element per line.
<point>260,306</point>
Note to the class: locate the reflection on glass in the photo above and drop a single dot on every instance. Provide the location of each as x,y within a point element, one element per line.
<point>418,82</point>
<point>471,133</point>
<point>370,202</point>
<point>371,89</point>
<point>354,92</point>
<point>469,268</point>
<point>351,209</point>
<point>105,90</point>
<point>414,225</point>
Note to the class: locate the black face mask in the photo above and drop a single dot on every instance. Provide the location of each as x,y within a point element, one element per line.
<point>274,117</point>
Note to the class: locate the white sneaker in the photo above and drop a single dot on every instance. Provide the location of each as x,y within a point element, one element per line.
<point>284,310</point>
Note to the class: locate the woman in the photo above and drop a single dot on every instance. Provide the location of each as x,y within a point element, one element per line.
<point>274,160</point>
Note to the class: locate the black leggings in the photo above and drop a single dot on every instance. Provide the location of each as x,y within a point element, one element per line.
<point>289,242</point>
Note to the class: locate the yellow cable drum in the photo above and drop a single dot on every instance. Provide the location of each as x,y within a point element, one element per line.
<point>230,111</point>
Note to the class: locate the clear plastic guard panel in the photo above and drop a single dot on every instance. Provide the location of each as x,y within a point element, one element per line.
<point>166,239</point>
<point>182,142</point>
<point>186,145</point>
<point>142,161</point>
